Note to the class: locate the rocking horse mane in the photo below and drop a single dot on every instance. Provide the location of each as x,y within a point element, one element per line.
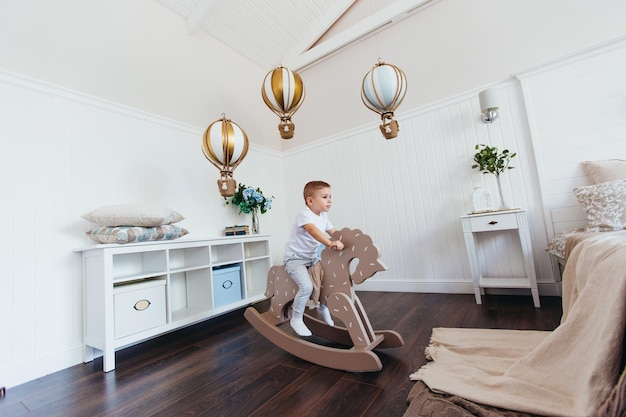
<point>357,245</point>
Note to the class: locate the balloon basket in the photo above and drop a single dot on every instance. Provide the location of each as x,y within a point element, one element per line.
<point>390,129</point>
<point>227,187</point>
<point>286,129</point>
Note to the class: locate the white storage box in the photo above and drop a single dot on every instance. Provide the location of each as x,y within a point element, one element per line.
<point>139,307</point>
<point>226,285</point>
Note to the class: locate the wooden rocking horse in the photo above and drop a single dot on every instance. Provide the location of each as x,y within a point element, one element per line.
<point>337,292</point>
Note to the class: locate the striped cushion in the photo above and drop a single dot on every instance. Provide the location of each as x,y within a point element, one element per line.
<point>131,234</point>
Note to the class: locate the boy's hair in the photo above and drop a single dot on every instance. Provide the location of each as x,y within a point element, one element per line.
<point>311,187</point>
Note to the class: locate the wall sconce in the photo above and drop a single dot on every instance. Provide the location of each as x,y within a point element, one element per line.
<point>488,105</point>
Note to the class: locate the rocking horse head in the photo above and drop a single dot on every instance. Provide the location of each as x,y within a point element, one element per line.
<point>357,245</point>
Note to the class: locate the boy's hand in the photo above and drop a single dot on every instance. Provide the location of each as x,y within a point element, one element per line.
<point>336,244</point>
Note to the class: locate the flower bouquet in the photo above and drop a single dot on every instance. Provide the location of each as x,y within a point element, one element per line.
<point>251,200</point>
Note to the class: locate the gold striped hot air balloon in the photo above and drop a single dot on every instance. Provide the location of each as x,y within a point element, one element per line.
<point>225,144</point>
<point>383,89</point>
<point>283,92</point>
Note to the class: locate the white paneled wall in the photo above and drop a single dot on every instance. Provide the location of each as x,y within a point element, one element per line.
<point>409,192</point>
<point>577,112</point>
<point>64,154</point>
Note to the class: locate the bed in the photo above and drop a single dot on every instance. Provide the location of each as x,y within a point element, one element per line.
<point>602,200</point>
<point>576,370</point>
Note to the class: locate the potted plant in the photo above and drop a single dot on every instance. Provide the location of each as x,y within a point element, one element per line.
<point>490,161</point>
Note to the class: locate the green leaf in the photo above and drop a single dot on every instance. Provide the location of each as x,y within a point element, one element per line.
<point>489,160</point>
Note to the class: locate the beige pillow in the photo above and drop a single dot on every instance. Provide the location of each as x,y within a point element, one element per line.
<point>606,170</point>
<point>145,215</point>
<point>604,204</point>
<point>556,246</point>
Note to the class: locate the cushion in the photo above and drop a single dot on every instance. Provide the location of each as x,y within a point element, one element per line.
<point>604,204</point>
<point>147,215</point>
<point>606,170</point>
<point>127,234</point>
<point>556,246</point>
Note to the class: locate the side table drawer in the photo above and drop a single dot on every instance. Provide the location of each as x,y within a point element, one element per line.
<point>502,221</point>
<point>139,307</point>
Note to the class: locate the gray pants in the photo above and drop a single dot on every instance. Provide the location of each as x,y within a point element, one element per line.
<point>297,269</point>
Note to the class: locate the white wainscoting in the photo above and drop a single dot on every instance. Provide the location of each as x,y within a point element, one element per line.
<point>409,192</point>
<point>64,154</point>
<point>577,112</point>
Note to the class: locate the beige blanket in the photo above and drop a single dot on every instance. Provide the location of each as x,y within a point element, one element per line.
<point>567,372</point>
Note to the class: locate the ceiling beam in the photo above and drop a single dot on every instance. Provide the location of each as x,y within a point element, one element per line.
<point>329,19</point>
<point>198,14</point>
<point>391,14</point>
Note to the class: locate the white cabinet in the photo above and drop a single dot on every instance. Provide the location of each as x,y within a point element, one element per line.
<point>136,291</point>
<point>517,219</point>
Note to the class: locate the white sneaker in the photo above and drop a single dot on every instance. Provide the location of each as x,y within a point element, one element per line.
<point>299,327</point>
<point>323,310</point>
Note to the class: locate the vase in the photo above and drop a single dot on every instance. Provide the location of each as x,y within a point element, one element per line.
<point>255,222</point>
<point>503,205</point>
<point>482,199</point>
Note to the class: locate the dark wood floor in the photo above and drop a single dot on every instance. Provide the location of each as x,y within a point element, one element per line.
<point>223,367</point>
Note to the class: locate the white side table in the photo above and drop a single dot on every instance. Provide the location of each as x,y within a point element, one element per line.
<point>516,219</point>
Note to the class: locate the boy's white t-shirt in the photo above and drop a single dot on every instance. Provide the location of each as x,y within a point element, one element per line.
<point>300,241</point>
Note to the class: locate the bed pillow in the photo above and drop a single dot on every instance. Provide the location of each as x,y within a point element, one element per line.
<point>146,215</point>
<point>127,234</point>
<point>606,170</point>
<point>604,204</point>
<point>556,246</point>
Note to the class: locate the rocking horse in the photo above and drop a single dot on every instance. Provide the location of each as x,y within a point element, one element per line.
<point>337,292</point>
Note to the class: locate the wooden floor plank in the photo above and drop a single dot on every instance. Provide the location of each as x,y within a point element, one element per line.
<point>254,395</point>
<point>303,394</point>
<point>198,400</point>
<point>344,399</point>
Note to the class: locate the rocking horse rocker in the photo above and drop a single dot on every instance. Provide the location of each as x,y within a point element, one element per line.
<point>337,292</point>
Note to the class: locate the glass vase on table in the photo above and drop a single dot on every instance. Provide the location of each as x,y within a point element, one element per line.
<point>503,205</point>
<point>255,222</point>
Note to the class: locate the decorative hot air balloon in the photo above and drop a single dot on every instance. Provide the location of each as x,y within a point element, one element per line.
<point>283,92</point>
<point>383,89</point>
<point>225,144</point>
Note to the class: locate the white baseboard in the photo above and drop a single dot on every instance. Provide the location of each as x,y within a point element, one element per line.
<point>550,289</point>
<point>545,288</point>
<point>24,372</point>
<point>421,287</point>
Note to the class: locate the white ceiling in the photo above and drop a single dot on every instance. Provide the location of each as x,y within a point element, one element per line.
<point>293,33</point>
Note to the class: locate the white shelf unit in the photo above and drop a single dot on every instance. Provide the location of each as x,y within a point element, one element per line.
<point>137,291</point>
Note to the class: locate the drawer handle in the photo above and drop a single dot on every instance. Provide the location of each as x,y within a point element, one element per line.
<point>141,305</point>
<point>493,222</point>
<point>227,284</point>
